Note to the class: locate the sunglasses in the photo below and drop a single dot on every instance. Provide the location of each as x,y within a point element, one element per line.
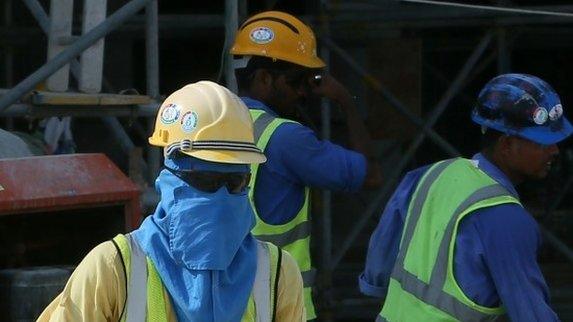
<point>304,77</point>
<point>211,181</point>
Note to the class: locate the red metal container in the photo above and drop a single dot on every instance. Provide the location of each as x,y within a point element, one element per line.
<point>54,209</point>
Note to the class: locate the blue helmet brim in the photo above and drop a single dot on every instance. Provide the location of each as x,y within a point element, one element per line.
<point>538,134</point>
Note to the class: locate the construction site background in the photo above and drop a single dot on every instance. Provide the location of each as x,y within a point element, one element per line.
<point>415,70</point>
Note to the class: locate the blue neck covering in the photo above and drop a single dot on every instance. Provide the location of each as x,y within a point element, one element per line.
<point>200,244</point>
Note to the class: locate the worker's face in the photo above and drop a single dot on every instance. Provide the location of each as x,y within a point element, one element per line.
<point>529,160</point>
<point>288,91</point>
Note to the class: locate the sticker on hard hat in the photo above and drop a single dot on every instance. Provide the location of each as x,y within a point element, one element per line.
<point>540,116</point>
<point>262,35</point>
<point>189,121</point>
<point>170,114</point>
<point>555,112</point>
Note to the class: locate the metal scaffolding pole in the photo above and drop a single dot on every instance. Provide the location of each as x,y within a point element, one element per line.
<point>8,57</point>
<point>435,115</point>
<point>152,68</point>
<point>44,21</point>
<point>38,12</point>
<point>81,44</point>
<point>380,89</point>
<point>112,123</point>
<point>231,25</point>
<point>494,8</point>
<point>326,216</point>
<point>152,49</point>
<point>503,52</point>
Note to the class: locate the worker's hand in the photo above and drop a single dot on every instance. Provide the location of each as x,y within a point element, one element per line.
<point>327,86</point>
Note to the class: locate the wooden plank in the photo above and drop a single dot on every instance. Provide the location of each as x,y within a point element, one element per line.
<point>91,60</point>
<point>51,98</point>
<point>61,14</point>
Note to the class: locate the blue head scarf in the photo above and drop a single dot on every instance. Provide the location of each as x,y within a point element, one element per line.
<point>201,244</point>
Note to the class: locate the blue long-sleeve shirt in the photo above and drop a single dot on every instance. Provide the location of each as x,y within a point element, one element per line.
<point>296,159</point>
<point>495,259</point>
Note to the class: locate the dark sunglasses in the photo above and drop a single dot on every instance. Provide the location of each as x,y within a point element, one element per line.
<point>211,181</point>
<point>298,77</point>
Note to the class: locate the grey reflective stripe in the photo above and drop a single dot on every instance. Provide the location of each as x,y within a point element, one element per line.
<point>440,269</point>
<point>262,286</point>
<point>438,298</point>
<point>137,285</point>
<point>418,202</point>
<point>380,318</point>
<point>299,231</point>
<point>308,277</point>
<point>261,123</point>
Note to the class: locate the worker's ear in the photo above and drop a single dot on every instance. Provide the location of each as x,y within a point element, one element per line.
<point>264,78</point>
<point>507,145</point>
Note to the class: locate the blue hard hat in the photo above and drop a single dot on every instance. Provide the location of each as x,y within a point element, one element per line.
<point>522,105</point>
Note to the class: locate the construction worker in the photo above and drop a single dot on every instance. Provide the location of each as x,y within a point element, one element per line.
<point>194,259</point>
<point>277,67</point>
<point>454,243</point>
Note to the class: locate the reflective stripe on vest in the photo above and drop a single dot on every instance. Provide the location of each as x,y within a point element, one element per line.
<point>137,285</point>
<point>146,301</point>
<point>143,289</point>
<point>433,292</point>
<point>262,286</point>
<point>293,236</point>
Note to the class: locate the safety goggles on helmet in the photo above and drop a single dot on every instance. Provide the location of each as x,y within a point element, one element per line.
<point>211,181</point>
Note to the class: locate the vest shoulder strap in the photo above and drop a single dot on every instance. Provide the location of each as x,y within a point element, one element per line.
<point>265,288</point>
<point>264,125</point>
<point>122,248</point>
<point>135,266</point>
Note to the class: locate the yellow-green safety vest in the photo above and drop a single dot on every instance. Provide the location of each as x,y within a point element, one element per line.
<point>422,284</point>
<point>293,236</point>
<point>145,300</point>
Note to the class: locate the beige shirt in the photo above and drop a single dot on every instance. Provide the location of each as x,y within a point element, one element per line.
<point>96,291</point>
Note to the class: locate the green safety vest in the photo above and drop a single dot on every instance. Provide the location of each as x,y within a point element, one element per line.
<point>293,236</point>
<point>422,284</point>
<point>145,292</point>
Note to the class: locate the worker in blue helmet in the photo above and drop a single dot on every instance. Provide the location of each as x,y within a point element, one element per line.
<point>454,242</point>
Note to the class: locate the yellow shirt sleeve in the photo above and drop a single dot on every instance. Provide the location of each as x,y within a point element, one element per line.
<point>94,292</point>
<point>290,302</point>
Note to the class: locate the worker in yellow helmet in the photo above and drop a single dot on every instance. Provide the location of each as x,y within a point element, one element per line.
<point>277,68</point>
<point>194,259</point>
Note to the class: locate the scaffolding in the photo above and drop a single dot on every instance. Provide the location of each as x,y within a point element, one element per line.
<point>334,22</point>
<point>497,22</point>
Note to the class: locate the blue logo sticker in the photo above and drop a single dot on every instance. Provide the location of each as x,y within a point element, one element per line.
<point>262,35</point>
<point>189,121</point>
<point>170,113</point>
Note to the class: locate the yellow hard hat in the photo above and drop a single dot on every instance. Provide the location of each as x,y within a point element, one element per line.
<point>277,35</point>
<point>206,121</point>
